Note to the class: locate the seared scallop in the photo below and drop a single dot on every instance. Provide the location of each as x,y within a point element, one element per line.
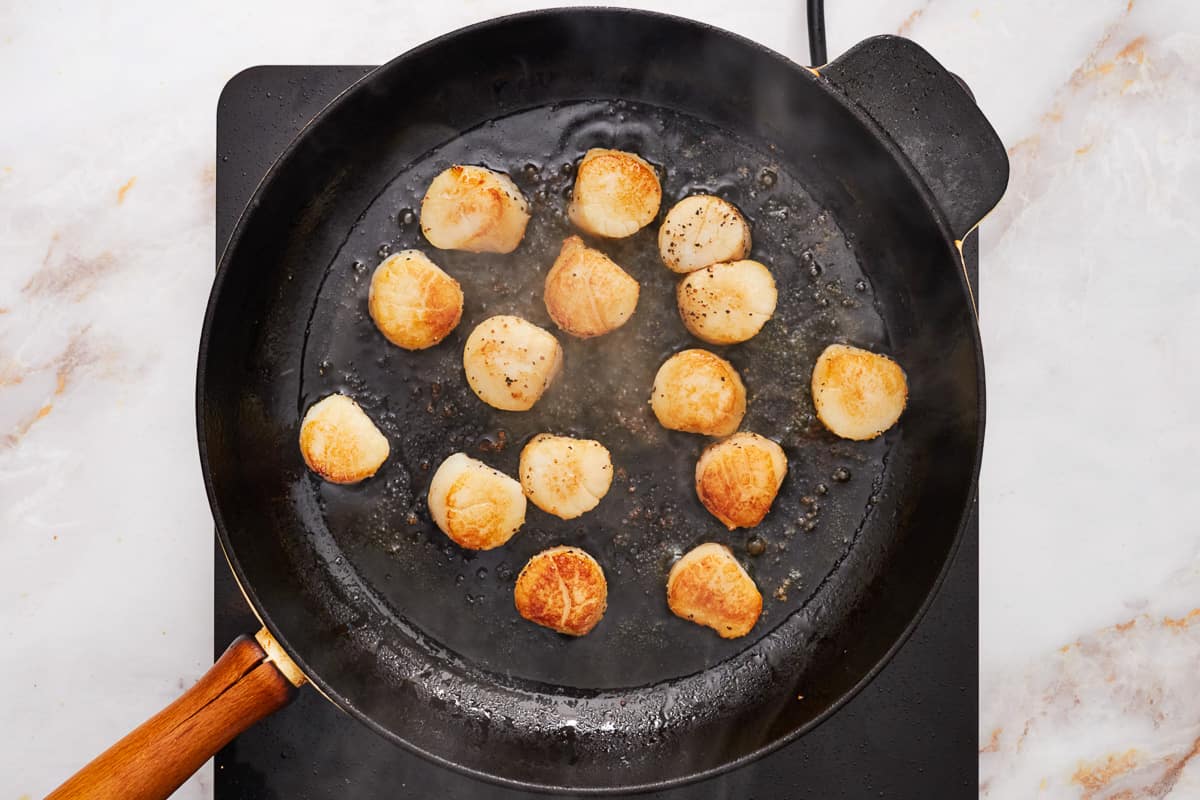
<point>698,392</point>
<point>737,478</point>
<point>709,587</point>
<point>727,303</point>
<point>474,209</point>
<point>858,394</point>
<point>616,194</point>
<point>562,588</point>
<point>476,506</point>
<point>510,361</point>
<point>339,441</point>
<point>563,476</point>
<point>413,302</point>
<point>587,294</point>
<point>702,230</point>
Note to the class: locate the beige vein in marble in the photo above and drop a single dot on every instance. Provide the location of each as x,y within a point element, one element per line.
<point>124,190</point>
<point>1115,63</point>
<point>77,355</point>
<point>906,26</point>
<point>66,275</point>
<point>1113,715</point>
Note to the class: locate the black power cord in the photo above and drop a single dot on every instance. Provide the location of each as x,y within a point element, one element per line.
<point>816,32</point>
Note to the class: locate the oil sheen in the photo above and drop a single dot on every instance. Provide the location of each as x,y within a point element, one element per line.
<point>463,600</point>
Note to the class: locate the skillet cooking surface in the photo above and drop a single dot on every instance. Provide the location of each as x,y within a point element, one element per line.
<point>422,402</point>
<point>362,589</point>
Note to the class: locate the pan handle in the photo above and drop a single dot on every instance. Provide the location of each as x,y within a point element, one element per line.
<point>931,115</point>
<point>251,679</point>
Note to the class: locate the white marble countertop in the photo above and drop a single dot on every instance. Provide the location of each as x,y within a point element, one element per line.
<point>1091,315</point>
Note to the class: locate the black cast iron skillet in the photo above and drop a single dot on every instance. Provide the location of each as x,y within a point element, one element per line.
<point>860,180</point>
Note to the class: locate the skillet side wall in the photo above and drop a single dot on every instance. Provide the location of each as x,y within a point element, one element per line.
<point>256,329</point>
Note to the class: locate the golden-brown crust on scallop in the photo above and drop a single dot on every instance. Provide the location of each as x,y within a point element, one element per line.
<point>478,507</point>
<point>698,392</point>
<point>701,230</point>
<point>586,293</point>
<point>858,394</point>
<point>413,302</point>
<point>616,193</point>
<point>738,478</point>
<point>727,303</point>
<point>709,587</point>
<point>474,209</point>
<point>562,588</point>
<point>564,476</point>
<point>510,362</point>
<point>339,441</point>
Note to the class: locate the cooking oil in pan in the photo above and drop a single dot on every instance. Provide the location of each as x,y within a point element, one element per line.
<point>651,515</point>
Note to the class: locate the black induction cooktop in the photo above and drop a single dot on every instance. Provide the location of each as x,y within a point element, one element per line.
<point>911,733</point>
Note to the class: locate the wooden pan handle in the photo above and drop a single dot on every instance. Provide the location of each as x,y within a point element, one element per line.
<point>251,679</point>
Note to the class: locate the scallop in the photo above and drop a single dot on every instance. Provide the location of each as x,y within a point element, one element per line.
<point>701,230</point>
<point>563,476</point>
<point>709,587</point>
<point>474,209</point>
<point>339,441</point>
<point>738,478</point>
<point>698,392</point>
<point>413,302</point>
<point>616,194</point>
<point>564,589</point>
<point>510,361</point>
<point>858,394</point>
<point>587,294</point>
<point>727,303</point>
<point>478,507</point>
